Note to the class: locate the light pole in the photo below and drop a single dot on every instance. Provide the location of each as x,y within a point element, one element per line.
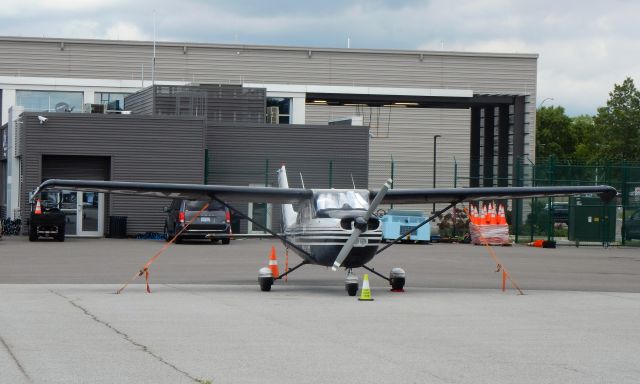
<point>542,102</point>
<point>435,148</point>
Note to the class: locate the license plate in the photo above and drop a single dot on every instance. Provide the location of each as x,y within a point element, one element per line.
<point>361,242</point>
<point>205,219</point>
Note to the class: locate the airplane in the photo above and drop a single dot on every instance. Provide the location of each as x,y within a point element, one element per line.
<point>334,228</point>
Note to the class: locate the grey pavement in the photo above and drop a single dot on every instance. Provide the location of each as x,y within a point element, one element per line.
<point>60,321</point>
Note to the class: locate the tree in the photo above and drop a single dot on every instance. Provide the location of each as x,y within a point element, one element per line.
<point>554,135</point>
<point>588,139</point>
<point>619,124</point>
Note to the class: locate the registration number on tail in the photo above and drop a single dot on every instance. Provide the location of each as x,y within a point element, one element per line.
<point>361,242</point>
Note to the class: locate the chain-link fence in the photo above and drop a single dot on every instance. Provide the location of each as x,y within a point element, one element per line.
<point>576,218</point>
<point>529,219</point>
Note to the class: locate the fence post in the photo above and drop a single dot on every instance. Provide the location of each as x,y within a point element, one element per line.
<point>625,200</point>
<point>455,172</point>
<point>206,166</point>
<point>515,203</point>
<point>392,175</point>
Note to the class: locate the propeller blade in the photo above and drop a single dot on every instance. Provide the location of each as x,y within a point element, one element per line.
<point>356,231</point>
<point>346,248</point>
<point>376,200</point>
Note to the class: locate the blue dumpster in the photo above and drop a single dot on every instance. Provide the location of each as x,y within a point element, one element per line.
<point>396,222</point>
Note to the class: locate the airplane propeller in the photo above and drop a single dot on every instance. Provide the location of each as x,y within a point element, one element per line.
<point>360,225</point>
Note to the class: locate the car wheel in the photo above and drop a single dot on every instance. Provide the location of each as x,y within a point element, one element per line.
<point>167,237</point>
<point>60,235</point>
<point>33,233</point>
<point>226,241</point>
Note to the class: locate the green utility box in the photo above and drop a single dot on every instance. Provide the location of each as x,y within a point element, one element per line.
<point>591,220</point>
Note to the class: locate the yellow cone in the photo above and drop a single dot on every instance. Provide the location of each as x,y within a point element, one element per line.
<point>365,293</point>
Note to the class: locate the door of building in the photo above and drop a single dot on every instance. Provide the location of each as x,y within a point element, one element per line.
<point>84,213</point>
<point>261,213</point>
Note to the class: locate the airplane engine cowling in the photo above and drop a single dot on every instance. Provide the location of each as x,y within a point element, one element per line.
<point>348,223</point>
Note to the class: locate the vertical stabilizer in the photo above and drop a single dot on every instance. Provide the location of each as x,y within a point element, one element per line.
<point>289,216</point>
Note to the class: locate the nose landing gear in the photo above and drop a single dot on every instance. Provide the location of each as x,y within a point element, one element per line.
<point>351,283</point>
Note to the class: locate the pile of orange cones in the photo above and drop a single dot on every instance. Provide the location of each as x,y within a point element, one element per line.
<point>488,224</point>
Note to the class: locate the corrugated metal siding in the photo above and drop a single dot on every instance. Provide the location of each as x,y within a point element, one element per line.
<point>219,102</point>
<point>140,103</point>
<point>483,73</point>
<point>138,147</point>
<point>76,167</point>
<point>244,154</point>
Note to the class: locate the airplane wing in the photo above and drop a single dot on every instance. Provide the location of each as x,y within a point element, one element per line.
<point>457,195</point>
<point>185,191</point>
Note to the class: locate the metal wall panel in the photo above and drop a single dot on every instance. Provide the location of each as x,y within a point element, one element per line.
<point>326,156</point>
<point>141,148</point>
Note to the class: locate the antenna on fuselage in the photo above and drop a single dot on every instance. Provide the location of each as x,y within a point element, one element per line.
<point>353,182</point>
<point>301,179</point>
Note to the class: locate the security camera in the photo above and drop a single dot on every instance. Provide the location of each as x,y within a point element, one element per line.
<point>42,119</point>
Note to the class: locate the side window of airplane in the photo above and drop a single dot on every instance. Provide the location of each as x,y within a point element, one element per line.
<point>305,211</point>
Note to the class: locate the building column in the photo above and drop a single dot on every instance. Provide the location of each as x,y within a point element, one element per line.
<point>518,140</point>
<point>503,146</point>
<point>489,142</point>
<point>474,148</point>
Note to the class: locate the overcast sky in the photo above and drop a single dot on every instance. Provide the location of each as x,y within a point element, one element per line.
<point>585,47</point>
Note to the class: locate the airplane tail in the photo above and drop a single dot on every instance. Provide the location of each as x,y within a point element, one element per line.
<point>289,216</point>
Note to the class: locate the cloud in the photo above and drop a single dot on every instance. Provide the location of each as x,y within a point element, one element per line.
<point>585,46</point>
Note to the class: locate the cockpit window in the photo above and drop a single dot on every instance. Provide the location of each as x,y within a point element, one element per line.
<point>345,200</point>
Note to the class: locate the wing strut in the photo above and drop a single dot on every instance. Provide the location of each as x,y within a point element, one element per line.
<point>274,234</point>
<point>440,212</point>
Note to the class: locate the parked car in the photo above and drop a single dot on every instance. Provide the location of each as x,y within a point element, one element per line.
<point>632,226</point>
<point>214,223</point>
<point>559,211</point>
<point>46,218</point>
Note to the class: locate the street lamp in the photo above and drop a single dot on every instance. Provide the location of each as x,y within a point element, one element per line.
<point>435,147</point>
<point>542,102</point>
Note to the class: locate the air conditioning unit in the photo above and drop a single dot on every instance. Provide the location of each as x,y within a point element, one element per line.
<point>94,108</point>
<point>273,115</point>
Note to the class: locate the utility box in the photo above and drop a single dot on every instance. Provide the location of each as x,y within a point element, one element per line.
<point>396,222</point>
<point>591,220</point>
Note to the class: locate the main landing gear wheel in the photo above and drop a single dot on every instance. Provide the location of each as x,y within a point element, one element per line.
<point>397,279</point>
<point>351,284</point>
<point>265,279</point>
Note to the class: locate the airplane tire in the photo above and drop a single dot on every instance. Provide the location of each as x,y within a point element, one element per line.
<point>265,283</point>
<point>352,289</point>
<point>397,283</point>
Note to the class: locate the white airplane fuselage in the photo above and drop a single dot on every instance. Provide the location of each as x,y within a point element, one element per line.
<point>323,238</point>
<point>322,225</point>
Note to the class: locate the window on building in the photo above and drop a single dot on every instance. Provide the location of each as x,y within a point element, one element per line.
<point>112,101</point>
<point>284,109</point>
<point>50,101</point>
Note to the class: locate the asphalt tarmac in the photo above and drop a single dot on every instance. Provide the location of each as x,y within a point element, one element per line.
<point>207,321</point>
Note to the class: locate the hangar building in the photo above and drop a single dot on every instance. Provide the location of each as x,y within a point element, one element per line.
<point>482,105</point>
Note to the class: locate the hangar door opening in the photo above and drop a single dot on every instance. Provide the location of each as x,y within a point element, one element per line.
<point>84,211</point>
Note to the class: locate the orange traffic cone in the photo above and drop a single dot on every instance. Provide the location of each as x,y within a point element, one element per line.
<point>502,218</point>
<point>493,217</point>
<point>537,243</point>
<point>38,210</point>
<point>273,263</point>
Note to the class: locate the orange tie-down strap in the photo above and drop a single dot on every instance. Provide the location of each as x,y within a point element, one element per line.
<point>500,267</point>
<point>145,268</point>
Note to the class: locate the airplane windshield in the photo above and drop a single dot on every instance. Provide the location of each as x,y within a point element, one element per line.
<point>343,200</point>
